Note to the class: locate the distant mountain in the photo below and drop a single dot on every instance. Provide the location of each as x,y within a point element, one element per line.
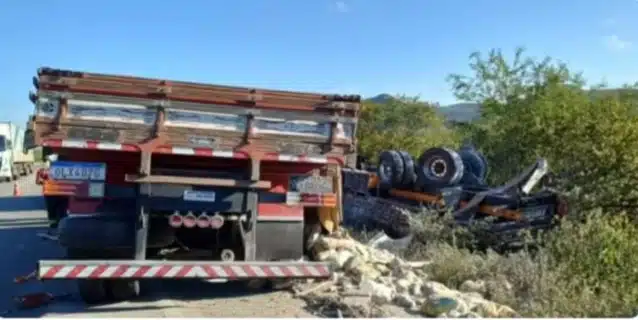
<point>381,98</point>
<point>460,112</point>
<point>468,112</point>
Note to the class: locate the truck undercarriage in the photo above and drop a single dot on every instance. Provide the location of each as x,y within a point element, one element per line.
<point>446,181</point>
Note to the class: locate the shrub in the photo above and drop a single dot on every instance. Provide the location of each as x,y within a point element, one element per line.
<point>585,269</point>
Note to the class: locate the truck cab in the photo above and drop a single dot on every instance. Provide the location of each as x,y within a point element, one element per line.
<point>14,160</point>
<point>5,157</point>
<point>170,179</point>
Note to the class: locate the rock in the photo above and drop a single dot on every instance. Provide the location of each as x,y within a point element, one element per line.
<point>478,286</point>
<point>403,285</point>
<point>331,243</point>
<point>404,300</point>
<point>352,263</point>
<point>347,287</point>
<point>359,271</point>
<point>378,276</point>
<point>415,289</point>
<point>438,306</point>
<point>433,288</point>
<point>340,258</point>
<point>381,294</point>
<point>453,314</point>
<point>326,255</point>
<point>491,309</point>
<point>472,295</point>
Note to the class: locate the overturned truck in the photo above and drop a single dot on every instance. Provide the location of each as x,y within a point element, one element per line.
<point>170,179</point>
<point>443,180</point>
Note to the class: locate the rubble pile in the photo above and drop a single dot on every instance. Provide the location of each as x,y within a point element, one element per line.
<point>369,281</point>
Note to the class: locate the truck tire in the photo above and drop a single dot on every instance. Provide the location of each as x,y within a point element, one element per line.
<point>440,167</point>
<point>409,175</point>
<point>400,228</point>
<point>122,290</point>
<point>390,170</point>
<point>90,291</point>
<point>474,162</point>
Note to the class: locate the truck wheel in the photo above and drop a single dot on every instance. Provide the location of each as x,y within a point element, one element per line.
<point>409,175</point>
<point>91,291</point>
<point>390,170</point>
<point>474,162</point>
<point>121,290</point>
<point>399,228</point>
<point>440,167</point>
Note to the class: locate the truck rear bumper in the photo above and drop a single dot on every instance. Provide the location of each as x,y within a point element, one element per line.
<point>150,269</point>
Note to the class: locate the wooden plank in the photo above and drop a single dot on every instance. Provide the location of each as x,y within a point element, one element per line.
<point>72,77</point>
<point>58,80</point>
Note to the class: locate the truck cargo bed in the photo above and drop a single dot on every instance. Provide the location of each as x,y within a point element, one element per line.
<point>88,110</point>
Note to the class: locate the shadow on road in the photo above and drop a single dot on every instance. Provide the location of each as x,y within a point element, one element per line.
<point>21,249</point>
<point>192,289</point>
<point>21,203</point>
<point>154,292</point>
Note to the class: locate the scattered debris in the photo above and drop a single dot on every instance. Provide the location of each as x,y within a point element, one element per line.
<point>28,277</point>
<point>369,282</point>
<point>47,236</point>
<point>37,300</point>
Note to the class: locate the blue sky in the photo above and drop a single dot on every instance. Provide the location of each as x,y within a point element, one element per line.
<point>348,46</point>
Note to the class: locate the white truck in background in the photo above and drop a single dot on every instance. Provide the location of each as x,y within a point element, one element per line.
<point>14,161</point>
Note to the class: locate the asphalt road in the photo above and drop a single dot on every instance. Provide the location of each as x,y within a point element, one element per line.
<point>21,218</point>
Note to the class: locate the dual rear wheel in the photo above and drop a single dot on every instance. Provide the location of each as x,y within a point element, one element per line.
<point>436,168</point>
<point>100,291</point>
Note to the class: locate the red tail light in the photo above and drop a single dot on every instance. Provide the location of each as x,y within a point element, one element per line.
<point>175,221</point>
<point>190,221</point>
<point>203,221</point>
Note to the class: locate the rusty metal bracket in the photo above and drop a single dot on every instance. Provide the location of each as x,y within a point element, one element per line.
<point>62,113</point>
<point>250,123</point>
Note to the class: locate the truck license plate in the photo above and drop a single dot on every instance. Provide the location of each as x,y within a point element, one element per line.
<point>66,170</point>
<point>203,196</point>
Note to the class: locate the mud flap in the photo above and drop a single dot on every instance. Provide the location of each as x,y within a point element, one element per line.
<point>248,228</point>
<point>331,218</point>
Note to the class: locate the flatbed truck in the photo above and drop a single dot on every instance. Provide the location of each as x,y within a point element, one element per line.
<point>172,179</point>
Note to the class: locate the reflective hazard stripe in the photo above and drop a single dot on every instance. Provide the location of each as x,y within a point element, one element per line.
<point>101,269</point>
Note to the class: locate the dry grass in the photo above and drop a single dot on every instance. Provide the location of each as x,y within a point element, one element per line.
<point>585,269</point>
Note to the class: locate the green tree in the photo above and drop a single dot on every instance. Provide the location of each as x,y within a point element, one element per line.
<point>534,108</point>
<point>402,123</point>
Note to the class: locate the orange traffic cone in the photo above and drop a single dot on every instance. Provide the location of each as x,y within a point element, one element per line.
<point>16,190</point>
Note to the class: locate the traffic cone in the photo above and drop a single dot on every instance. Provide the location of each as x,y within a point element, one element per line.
<point>16,190</point>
